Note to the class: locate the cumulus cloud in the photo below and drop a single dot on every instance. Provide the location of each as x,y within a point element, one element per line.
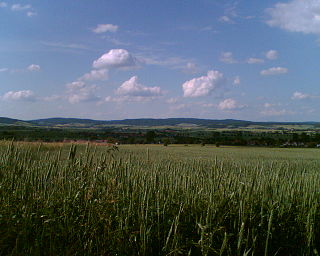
<point>204,85</point>
<point>116,58</point>
<point>274,71</point>
<point>296,16</point>
<point>133,88</point>
<point>255,61</point>
<point>25,95</point>
<point>102,28</point>
<point>301,96</point>
<point>101,74</point>
<point>33,67</point>
<point>79,91</point>
<point>229,104</point>
<point>272,55</point>
<point>227,57</point>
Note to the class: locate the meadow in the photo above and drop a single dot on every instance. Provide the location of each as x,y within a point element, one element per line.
<point>65,199</point>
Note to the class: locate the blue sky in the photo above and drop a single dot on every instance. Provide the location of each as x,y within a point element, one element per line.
<point>116,59</point>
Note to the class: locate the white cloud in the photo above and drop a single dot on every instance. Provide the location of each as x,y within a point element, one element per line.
<point>33,67</point>
<point>75,85</point>
<point>25,95</point>
<point>133,88</point>
<point>179,107</point>
<point>275,112</point>
<point>237,80</point>
<point>191,68</point>
<point>78,91</point>
<point>124,99</point>
<point>204,85</point>
<point>116,41</point>
<point>102,28</point>
<point>3,4</point>
<point>31,14</point>
<point>229,104</point>
<point>208,28</point>
<point>254,61</point>
<point>226,19</point>
<point>272,55</point>
<point>274,71</point>
<point>113,99</point>
<point>269,105</point>
<point>172,100</point>
<point>185,65</point>
<point>296,16</point>
<point>52,98</point>
<point>116,58</point>
<point>101,74</point>
<point>3,70</point>
<point>227,57</point>
<point>25,8</point>
<point>207,105</point>
<point>63,45</point>
<point>19,7</point>
<point>301,96</point>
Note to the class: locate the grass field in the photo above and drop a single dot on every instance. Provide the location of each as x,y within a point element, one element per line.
<point>63,199</point>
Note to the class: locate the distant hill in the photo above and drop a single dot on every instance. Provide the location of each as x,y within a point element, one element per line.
<point>143,122</point>
<point>64,121</point>
<point>11,121</point>
<point>178,121</point>
<point>149,122</point>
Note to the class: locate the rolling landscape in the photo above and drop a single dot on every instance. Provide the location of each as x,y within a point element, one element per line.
<point>159,128</point>
<point>175,186</point>
<point>153,122</point>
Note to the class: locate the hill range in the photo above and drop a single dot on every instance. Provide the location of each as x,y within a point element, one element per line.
<point>157,123</point>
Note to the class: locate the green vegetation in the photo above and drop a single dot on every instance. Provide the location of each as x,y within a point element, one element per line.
<point>163,131</point>
<point>64,199</point>
<point>166,136</point>
<point>145,123</point>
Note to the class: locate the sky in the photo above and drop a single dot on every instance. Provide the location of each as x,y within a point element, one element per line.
<point>118,59</point>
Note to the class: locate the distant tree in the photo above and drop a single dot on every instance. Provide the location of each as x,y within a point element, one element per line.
<point>166,142</point>
<point>131,140</point>
<point>304,137</point>
<point>150,136</point>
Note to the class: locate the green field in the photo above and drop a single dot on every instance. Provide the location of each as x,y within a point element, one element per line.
<point>63,199</point>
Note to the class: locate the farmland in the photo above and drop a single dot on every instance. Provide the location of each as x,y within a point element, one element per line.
<point>163,131</point>
<point>65,199</point>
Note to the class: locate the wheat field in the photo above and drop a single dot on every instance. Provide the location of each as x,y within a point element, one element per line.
<point>65,199</point>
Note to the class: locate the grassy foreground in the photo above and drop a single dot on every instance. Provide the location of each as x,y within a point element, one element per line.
<point>61,199</point>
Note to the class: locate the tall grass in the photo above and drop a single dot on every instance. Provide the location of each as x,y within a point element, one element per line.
<point>94,200</point>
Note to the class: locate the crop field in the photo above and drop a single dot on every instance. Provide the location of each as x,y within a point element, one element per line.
<point>64,199</point>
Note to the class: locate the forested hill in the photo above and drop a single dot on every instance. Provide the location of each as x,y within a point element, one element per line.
<point>11,121</point>
<point>150,122</point>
